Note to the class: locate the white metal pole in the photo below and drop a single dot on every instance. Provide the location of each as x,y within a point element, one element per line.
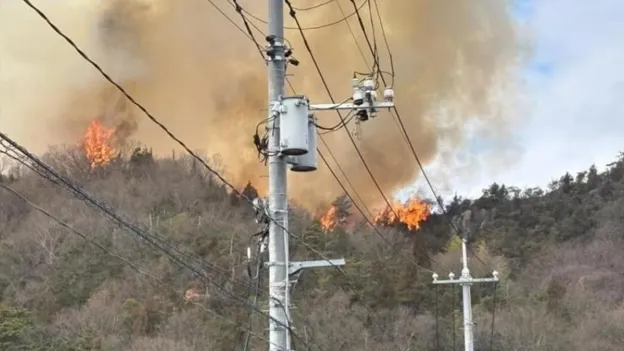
<point>278,205</point>
<point>466,281</point>
<point>467,301</point>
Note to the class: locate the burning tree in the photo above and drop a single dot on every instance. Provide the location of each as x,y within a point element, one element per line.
<point>98,145</point>
<point>337,214</point>
<point>410,214</point>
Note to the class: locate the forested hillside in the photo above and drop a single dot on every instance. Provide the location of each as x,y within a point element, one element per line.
<point>558,251</point>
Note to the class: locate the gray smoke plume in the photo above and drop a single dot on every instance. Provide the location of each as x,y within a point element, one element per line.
<point>456,64</point>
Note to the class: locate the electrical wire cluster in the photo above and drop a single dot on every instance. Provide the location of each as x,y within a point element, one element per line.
<point>345,18</point>
<point>124,260</point>
<point>374,52</point>
<point>379,74</point>
<point>189,151</point>
<point>262,142</point>
<point>199,268</point>
<point>259,141</point>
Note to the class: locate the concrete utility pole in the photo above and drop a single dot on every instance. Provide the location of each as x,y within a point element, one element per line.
<point>292,143</point>
<point>278,202</point>
<point>466,280</point>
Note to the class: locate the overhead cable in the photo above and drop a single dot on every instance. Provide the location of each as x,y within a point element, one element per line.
<point>321,26</point>
<point>409,142</point>
<point>182,144</point>
<point>308,48</point>
<point>123,260</point>
<point>81,194</point>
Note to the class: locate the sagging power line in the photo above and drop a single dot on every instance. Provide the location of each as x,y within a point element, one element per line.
<point>275,153</point>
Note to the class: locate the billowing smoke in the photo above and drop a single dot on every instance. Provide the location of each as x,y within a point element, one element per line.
<point>455,61</point>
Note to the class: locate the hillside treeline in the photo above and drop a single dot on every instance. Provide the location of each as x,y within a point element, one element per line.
<point>558,251</point>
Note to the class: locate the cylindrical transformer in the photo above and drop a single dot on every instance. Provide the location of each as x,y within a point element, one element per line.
<point>307,162</point>
<point>294,126</point>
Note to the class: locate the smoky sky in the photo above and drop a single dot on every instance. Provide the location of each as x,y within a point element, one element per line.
<point>454,61</point>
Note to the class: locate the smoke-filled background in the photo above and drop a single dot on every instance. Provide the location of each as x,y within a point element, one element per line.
<point>456,63</point>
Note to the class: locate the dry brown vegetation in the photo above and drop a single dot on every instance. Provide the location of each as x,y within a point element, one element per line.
<point>558,251</point>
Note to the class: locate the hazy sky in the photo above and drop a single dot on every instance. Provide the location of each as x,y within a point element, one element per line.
<point>573,116</point>
<point>575,90</point>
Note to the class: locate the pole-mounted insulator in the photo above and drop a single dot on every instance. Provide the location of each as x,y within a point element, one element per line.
<point>389,94</point>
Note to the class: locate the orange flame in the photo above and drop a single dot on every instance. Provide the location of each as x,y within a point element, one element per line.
<point>412,213</point>
<point>98,144</point>
<point>330,219</point>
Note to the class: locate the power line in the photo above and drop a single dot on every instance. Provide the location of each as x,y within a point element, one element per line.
<point>437,318</point>
<point>372,225</point>
<point>122,259</point>
<point>357,44</point>
<point>378,232</point>
<point>81,194</point>
<point>239,10</point>
<point>377,69</point>
<point>256,293</point>
<point>326,25</point>
<point>453,315</point>
<point>308,48</point>
<point>385,38</point>
<point>343,123</point>
<point>406,135</point>
<point>312,7</point>
<point>183,145</point>
<point>318,69</point>
<point>357,194</point>
<point>331,154</point>
<point>153,119</point>
<point>50,175</point>
<point>46,172</point>
<point>352,200</point>
<point>493,317</point>
<point>164,128</point>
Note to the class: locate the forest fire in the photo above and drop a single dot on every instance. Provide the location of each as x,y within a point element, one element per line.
<point>412,213</point>
<point>330,219</point>
<point>98,145</point>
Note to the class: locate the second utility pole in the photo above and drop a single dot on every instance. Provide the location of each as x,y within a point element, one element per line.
<point>278,202</point>
<point>466,280</point>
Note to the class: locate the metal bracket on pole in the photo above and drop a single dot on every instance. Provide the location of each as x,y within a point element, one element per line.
<point>296,266</point>
<point>466,280</point>
<point>363,101</point>
<point>351,106</point>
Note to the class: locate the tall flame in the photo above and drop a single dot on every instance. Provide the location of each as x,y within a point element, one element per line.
<point>98,145</point>
<point>330,219</point>
<point>412,213</point>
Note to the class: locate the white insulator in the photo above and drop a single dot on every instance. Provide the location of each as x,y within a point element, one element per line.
<point>294,126</point>
<point>373,95</point>
<point>369,84</point>
<point>307,162</point>
<point>389,94</point>
<point>358,96</point>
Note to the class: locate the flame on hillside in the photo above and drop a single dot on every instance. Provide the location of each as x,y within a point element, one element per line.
<point>412,213</point>
<point>330,219</point>
<point>97,144</point>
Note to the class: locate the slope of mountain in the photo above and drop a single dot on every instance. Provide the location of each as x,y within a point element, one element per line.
<point>558,251</point>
